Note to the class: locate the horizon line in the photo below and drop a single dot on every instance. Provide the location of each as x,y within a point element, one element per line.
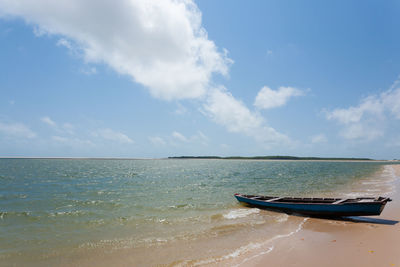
<point>204,157</point>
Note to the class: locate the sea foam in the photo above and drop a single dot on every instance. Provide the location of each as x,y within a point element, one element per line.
<point>240,213</point>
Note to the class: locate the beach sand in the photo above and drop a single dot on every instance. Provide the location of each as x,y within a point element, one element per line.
<point>366,241</point>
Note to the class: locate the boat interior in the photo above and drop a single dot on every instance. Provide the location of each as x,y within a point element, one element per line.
<point>316,200</point>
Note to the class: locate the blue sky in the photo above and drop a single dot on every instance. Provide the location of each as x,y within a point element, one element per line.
<point>167,78</point>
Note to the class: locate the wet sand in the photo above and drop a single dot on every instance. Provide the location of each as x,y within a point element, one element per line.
<point>363,241</point>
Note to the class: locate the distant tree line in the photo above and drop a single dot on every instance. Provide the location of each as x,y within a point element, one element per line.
<point>266,158</point>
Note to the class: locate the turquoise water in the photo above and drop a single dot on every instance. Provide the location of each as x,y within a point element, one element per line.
<point>55,209</point>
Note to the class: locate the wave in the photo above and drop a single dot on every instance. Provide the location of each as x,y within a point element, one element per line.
<point>241,251</point>
<point>240,213</point>
<point>101,203</point>
<point>67,213</point>
<point>224,229</point>
<point>4,215</point>
<point>263,244</point>
<point>282,218</point>
<point>380,183</point>
<point>13,196</point>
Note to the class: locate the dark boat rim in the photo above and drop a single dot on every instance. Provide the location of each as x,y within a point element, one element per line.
<point>316,200</point>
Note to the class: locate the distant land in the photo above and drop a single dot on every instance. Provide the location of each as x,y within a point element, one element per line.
<point>266,157</point>
<point>214,157</point>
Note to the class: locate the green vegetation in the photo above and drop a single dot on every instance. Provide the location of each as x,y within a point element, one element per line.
<point>266,158</point>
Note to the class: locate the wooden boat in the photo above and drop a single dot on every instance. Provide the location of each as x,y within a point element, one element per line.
<point>331,207</point>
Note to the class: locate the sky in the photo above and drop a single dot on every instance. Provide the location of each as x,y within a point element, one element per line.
<point>159,78</point>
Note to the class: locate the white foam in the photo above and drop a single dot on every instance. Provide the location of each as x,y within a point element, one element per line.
<point>390,172</point>
<point>242,250</point>
<point>373,190</point>
<point>245,249</point>
<point>257,255</point>
<point>240,213</point>
<point>67,213</point>
<point>394,177</point>
<point>282,218</point>
<point>354,194</point>
<point>373,183</point>
<point>381,183</point>
<point>234,254</point>
<point>271,240</point>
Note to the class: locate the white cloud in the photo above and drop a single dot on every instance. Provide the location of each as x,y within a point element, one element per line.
<point>68,128</point>
<point>64,128</point>
<point>366,121</point>
<point>319,138</point>
<point>16,130</point>
<point>201,137</point>
<point>157,141</point>
<point>362,132</point>
<point>268,98</point>
<point>224,109</point>
<point>112,135</point>
<point>159,43</point>
<point>48,121</point>
<point>391,100</point>
<point>227,111</point>
<point>371,105</point>
<point>64,42</point>
<point>180,137</point>
<point>72,141</point>
<point>89,70</point>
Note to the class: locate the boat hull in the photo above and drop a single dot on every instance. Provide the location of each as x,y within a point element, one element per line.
<point>318,209</point>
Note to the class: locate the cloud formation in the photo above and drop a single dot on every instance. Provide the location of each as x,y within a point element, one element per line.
<point>159,43</point>
<point>370,106</point>
<point>65,128</point>
<point>48,121</point>
<point>74,142</point>
<point>16,130</point>
<point>319,138</point>
<point>231,113</point>
<point>109,134</point>
<point>157,141</point>
<point>180,137</point>
<point>177,138</point>
<point>68,136</point>
<point>366,121</point>
<point>268,98</point>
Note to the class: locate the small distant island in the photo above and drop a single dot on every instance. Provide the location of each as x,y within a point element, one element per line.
<point>266,158</point>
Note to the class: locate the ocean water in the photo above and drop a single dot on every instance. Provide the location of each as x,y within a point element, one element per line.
<point>94,212</point>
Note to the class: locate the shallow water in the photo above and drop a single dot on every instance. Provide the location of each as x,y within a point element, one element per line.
<point>178,212</point>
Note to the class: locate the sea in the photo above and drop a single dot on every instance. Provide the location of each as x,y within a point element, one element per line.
<point>160,212</point>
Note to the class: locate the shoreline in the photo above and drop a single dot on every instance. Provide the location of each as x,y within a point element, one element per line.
<point>228,235</point>
<point>360,241</point>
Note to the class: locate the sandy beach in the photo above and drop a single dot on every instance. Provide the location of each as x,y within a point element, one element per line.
<point>365,241</point>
